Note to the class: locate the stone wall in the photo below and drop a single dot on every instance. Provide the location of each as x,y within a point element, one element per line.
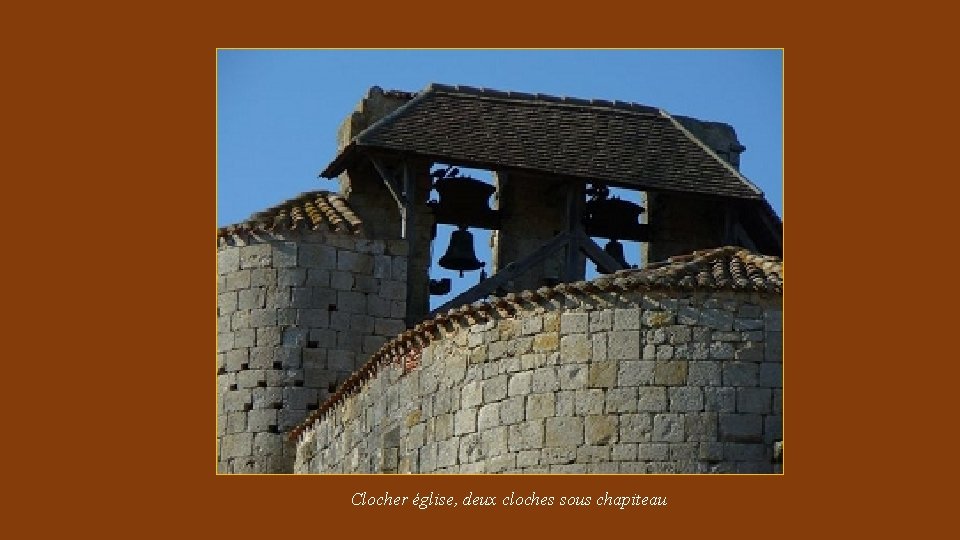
<point>298,312</point>
<point>616,383</point>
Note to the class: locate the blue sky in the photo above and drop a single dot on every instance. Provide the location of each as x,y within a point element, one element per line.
<point>278,110</point>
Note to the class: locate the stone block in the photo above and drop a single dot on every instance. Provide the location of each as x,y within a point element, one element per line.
<point>589,401</point>
<point>717,319</point>
<point>531,325</point>
<point>652,399</point>
<point>685,398</point>
<point>623,345</point>
<point>558,455</point>
<point>621,400</point>
<point>494,441</point>
<point>653,451</point>
<point>720,350</point>
<point>268,336</point>
<point>575,348</point>
<point>284,254</point>
<point>526,435</point>
<point>600,429</point>
<point>488,416</point>
<point>601,321</point>
<point>635,428</point>
<point>236,445</point>
<point>753,400</point>
<point>773,320</point>
<point>341,281</point>
<point>700,426</point>
<point>740,374</point>
<point>668,427</point>
<point>772,429</point>
<point>564,431</point>
<point>664,352</point>
<point>623,451</point>
<point>671,373</point>
<point>750,351</point>
<point>741,427</point>
<point>512,410</point>
<point>471,395</point>
<point>546,342</point>
<point>703,374</point>
<point>574,323</point>
<point>635,373</point>
<point>318,256</point>
<point>602,374</point>
<point>256,256</point>
<point>743,452</point>
<point>720,399</point>
<point>541,405</point>
<point>545,380</point>
<point>599,346</point>
<point>520,383</point>
<point>593,454</point>
<point>572,376</point>
<point>657,318</point>
<point>228,260</point>
<point>237,281</point>
<point>495,389</point>
<point>626,319</point>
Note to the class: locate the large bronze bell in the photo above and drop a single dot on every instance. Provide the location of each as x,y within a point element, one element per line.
<point>615,250</point>
<point>460,254</point>
<point>612,217</point>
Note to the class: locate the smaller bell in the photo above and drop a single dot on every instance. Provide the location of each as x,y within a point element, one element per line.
<point>615,250</point>
<point>460,254</point>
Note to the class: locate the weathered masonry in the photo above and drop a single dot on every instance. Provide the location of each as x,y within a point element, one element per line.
<point>674,368</point>
<point>330,356</point>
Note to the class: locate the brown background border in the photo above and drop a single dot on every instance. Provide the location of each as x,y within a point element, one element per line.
<point>113,109</point>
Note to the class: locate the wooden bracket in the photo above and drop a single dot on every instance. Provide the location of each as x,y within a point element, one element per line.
<point>600,257</point>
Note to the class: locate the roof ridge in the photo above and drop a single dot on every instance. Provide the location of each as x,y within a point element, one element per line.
<point>405,347</point>
<point>542,98</point>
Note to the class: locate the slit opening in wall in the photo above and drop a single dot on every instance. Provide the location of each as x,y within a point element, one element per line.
<point>221,370</point>
<point>313,406</point>
<point>262,384</point>
<point>244,366</point>
<point>278,365</point>
<point>276,405</point>
<point>233,387</point>
<point>332,387</point>
<point>272,429</point>
<point>298,382</point>
<point>247,407</point>
<point>332,307</point>
<point>311,344</point>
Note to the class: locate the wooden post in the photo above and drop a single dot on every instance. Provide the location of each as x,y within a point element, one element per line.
<point>571,270</point>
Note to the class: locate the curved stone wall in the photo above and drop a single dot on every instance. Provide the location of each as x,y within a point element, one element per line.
<point>298,312</point>
<point>629,382</point>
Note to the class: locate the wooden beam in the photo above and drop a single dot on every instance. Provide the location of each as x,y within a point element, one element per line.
<point>512,270</point>
<point>392,184</point>
<point>600,257</point>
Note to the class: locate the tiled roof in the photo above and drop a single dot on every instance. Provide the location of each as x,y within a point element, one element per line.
<point>611,141</point>
<point>720,269</point>
<point>312,210</point>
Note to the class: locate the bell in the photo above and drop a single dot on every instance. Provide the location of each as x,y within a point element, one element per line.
<point>460,255</point>
<point>611,217</point>
<point>615,250</point>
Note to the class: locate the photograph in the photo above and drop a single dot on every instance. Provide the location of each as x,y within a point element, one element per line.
<point>499,261</point>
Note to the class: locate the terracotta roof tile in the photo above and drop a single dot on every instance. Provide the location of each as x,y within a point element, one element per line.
<point>720,269</point>
<point>312,210</point>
